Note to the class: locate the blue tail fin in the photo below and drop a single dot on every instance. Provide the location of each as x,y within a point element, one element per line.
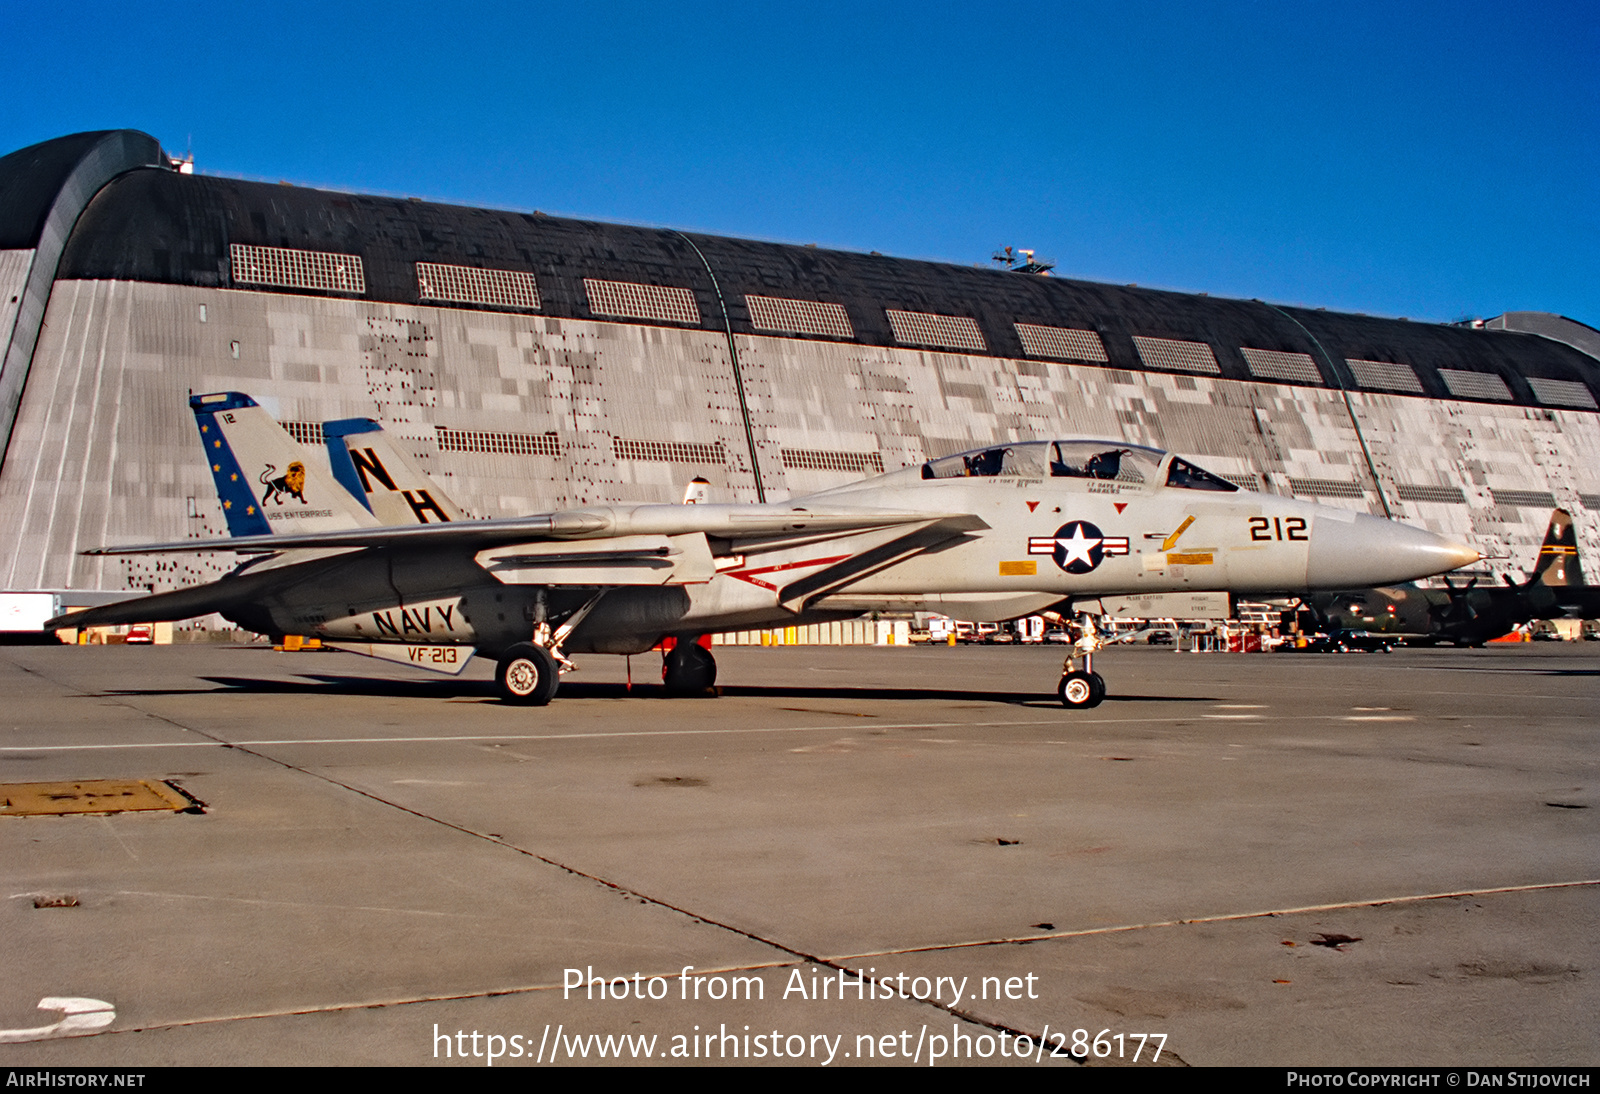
<point>263,476</point>
<point>382,476</point>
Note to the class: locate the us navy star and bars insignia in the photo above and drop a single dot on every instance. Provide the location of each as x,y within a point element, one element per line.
<point>1078,546</point>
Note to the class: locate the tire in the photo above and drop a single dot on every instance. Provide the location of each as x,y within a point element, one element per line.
<point>526,675</point>
<point>1081,690</point>
<point>689,669</point>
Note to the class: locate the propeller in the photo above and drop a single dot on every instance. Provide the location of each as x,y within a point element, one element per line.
<point>1459,608</point>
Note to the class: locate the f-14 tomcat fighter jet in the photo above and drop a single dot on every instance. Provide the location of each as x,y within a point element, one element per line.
<point>985,535</point>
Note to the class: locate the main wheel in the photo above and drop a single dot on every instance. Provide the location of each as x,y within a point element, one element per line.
<point>526,675</point>
<point>689,669</point>
<point>1081,690</point>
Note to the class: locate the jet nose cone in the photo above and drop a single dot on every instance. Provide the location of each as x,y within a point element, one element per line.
<point>1363,551</point>
<point>1458,554</point>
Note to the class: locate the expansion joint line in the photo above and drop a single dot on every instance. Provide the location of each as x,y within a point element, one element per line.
<point>1349,409</point>
<point>738,373</point>
<point>1230,917</point>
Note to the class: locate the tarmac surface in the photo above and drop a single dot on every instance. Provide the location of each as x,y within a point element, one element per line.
<point>1274,859</point>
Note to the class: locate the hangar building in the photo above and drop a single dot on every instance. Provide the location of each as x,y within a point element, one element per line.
<point>534,362</point>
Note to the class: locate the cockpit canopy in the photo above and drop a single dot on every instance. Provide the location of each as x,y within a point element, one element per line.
<point>1104,460</point>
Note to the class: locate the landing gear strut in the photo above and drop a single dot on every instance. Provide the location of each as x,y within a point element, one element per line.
<point>1080,690</point>
<point>689,669</point>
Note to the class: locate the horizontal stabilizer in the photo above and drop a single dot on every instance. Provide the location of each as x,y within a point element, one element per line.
<point>160,608</point>
<point>234,591</point>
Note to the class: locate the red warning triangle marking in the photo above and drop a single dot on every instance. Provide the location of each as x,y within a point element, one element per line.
<point>1032,505</point>
<point>1120,505</point>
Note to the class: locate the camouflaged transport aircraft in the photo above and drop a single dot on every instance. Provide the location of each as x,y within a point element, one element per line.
<point>1468,614</point>
<point>372,557</point>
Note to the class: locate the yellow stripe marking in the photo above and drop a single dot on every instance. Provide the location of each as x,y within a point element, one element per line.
<point>1166,544</point>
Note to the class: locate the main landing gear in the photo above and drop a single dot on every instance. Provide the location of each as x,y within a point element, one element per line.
<point>1082,689</point>
<point>527,675</point>
<point>688,669</point>
<point>529,672</point>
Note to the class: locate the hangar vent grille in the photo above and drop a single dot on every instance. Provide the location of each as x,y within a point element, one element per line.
<point>808,459</point>
<point>286,268</point>
<point>1325,488</point>
<point>1533,499</point>
<point>799,316</point>
<point>1061,342</point>
<point>670,451</point>
<point>1385,375</point>
<point>1275,364</point>
<point>629,300</point>
<point>1475,385</point>
<point>498,444</point>
<point>470,285</point>
<point>1562,392</point>
<point>1243,482</point>
<point>1172,354</point>
<point>920,328</point>
<point>1447,495</point>
<point>308,433</point>
<point>1590,501</point>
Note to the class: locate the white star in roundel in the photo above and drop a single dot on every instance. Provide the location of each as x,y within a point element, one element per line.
<point>1081,550</point>
<point>1077,548</point>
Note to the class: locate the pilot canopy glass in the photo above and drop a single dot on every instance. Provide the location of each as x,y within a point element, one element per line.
<point>1107,461</point>
<point>1104,460</point>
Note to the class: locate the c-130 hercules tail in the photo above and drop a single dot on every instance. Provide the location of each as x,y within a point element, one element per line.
<point>990,534</point>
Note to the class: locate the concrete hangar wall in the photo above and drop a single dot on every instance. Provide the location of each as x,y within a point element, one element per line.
<point>534,363</point>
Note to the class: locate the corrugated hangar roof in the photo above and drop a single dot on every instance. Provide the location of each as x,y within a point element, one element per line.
<point>158,225</point>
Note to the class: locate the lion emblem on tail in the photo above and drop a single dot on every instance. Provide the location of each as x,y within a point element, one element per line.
<point>291,483</point>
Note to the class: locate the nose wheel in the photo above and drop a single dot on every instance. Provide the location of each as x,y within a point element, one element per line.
<point>1081,690</point>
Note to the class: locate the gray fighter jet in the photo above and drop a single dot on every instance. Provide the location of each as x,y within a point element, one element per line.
<point>995,533</point>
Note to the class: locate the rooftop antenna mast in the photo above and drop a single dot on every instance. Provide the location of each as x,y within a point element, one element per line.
<point>1021,260</point>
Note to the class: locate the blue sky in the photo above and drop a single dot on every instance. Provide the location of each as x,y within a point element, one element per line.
<point>1430,160</point>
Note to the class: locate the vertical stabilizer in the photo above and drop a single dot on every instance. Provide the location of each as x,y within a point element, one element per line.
<point>264,478</point>
<point>382,476</point>
<point>1558,565</point>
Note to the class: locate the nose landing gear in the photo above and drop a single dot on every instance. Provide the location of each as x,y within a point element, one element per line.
<point>1081,690</point>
